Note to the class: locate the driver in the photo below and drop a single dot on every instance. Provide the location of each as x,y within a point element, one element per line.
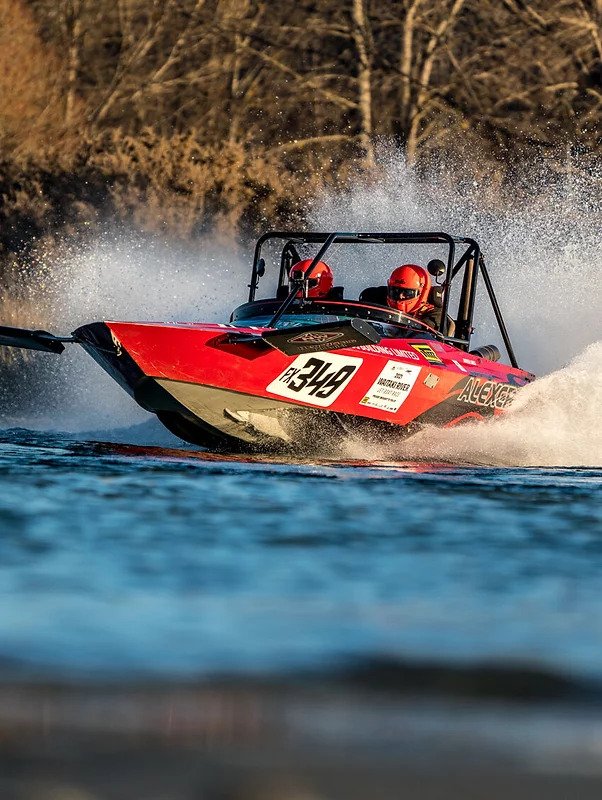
<point>408,291</point>
<point>320,282</point>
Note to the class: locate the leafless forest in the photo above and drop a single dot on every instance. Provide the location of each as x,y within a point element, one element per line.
<point>223,116</point>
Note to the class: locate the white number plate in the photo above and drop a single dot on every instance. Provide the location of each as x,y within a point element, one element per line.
<point>316,378</point>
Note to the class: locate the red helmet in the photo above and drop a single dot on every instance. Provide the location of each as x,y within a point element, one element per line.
<point>408,288</point>
<point>320,281</point>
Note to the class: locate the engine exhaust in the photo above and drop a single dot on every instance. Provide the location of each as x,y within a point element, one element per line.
<point>488,351</point>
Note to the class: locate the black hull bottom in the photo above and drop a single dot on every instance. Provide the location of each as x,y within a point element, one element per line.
<point>227,421</point>
<point>193,430</point>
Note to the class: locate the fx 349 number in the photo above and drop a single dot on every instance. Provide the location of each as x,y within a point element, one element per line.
<point>316,379</point>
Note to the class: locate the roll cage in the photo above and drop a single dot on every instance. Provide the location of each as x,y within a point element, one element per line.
<point>464,262</point>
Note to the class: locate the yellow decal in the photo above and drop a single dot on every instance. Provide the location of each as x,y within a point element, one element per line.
<point>427,351</point>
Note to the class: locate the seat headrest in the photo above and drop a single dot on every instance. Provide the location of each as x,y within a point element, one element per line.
<point>374,294</point>
<point>436,296</point>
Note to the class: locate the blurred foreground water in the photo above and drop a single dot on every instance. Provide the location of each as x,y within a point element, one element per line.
<point>268,628</point>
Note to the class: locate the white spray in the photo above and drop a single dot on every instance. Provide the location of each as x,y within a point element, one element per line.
<point>544,258</point>
<point>552,422</point>
<point>123,276</point>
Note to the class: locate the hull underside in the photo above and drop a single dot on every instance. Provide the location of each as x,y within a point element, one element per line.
<point>224,419</point>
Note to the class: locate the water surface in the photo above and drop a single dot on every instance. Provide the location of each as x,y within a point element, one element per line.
<point>122,562</point>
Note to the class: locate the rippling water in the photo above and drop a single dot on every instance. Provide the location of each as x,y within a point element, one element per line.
<point>122,561</point>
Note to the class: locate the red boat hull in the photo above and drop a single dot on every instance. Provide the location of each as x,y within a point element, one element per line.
<point>238,395</point>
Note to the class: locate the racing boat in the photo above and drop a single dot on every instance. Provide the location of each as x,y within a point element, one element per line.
<point>291,371</point>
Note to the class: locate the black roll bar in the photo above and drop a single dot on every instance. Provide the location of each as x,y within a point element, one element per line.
<point>293,292</point>
<point>497,312</point>
<point>472,252</point>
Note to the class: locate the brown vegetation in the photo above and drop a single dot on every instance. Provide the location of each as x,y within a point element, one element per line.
<point>29,83</point>
<point>184,116</point>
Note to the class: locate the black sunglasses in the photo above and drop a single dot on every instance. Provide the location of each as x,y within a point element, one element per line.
<point>399,293</point>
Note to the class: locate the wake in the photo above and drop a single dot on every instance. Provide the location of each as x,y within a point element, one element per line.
<point>553,422</point>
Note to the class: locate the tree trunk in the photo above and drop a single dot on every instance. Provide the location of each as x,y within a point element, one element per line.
<point>361,37</point>
<point>406,69</point>
<point>424,77</point>
<point>74,27</point>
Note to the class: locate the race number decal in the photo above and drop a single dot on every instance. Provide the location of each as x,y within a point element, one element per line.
<point>315,378</point>
<point>393,385</point>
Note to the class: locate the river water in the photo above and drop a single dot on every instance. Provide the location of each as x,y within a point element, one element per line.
<point>134,561</point>
<point>420,613</point>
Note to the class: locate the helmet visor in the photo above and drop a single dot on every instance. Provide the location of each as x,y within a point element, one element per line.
<point>398,293</point>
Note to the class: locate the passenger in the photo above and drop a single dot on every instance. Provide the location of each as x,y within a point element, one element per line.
<point>320,281</point>
<point>408,291</point>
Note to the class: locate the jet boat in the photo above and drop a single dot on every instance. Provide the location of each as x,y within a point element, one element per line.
<point>291,371</point>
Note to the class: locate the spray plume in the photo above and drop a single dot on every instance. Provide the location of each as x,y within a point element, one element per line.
<point>544,253</point>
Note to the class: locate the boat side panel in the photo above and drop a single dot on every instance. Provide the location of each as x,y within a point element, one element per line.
<point>396,381</point>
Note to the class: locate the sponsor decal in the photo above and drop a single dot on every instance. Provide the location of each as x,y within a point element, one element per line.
<point>341,344</point>
<point>317,378</point>
<point>391,388</point>
<point>317,337</point>
<point>427,351</point>
<point>431,380</point>
<point>117,345</point>
<point>389,351</point>
<point>488,394</point>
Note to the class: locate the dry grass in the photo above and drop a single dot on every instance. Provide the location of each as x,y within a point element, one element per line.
<point>32,108</point>
<point>179,185</point>
<point>175,186</point>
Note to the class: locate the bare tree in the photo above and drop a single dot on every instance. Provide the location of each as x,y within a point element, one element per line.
<point>425,29</point>
<point>74,29</point>
<point>360,30</point>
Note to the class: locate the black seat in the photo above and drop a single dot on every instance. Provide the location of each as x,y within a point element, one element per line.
<point>436,299</point>
<point>436,296</point>
<point>374,294</point>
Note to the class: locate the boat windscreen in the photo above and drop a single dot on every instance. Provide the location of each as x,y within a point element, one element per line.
<point>386,330</point>
<point>289,320</point>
